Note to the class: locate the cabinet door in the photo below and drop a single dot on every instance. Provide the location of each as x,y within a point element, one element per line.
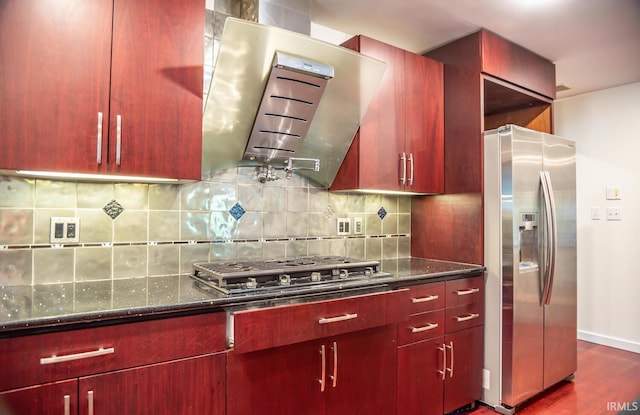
<point>156,88</point>
<point>420,383</point>
<point>189,386</point>
<point>49,399</point>
<point>55,60</point>
<point>424,139</point>
<point>463,383</point>
<point>276,381</point>
<point>362,366</point>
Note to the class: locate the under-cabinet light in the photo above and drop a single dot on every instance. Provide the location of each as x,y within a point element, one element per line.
<point>92,177</point>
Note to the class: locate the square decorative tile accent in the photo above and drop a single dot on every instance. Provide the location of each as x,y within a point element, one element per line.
<point>382,213</point>
<point>113,209</point>
<point>237,211</point>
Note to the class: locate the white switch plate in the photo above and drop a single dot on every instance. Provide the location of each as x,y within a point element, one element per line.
<point>486,379</point>
<point>357,226</point>
<point>64,230</point>
<point>343,226</point>
<point>595,213</point>
<point>614,213</point>
<point>614,192</point>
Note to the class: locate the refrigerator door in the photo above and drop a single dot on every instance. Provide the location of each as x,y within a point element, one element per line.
<point>560,315</point>
<point>522,263</point>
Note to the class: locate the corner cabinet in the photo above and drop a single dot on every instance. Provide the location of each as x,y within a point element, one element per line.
<point>174,365</point>
<point>102,86</point>
<point>400,144</point>
<point>440,348</point>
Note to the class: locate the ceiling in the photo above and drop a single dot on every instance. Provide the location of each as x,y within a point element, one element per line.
<point>595,44</point>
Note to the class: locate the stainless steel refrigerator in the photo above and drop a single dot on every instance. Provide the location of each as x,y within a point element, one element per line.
<point>530,255</point>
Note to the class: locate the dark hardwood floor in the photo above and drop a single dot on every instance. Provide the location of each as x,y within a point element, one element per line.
<point>606,378</point>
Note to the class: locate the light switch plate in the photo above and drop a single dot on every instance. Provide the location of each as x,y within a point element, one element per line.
<point>357,226</point>
<point>64,230</point>
<point>595,213</point>
<point>614,192</point>
<point>343,226</point>
<point>614,213</point>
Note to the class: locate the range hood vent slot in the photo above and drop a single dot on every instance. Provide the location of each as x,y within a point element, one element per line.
<point>290,100</point>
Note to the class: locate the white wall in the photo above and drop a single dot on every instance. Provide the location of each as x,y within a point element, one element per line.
<point>606,127</point>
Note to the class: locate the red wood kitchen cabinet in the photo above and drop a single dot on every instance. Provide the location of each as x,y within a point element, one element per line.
<point>173,365</point>
<point>400,143</point>
<point>334,357</point>
<point>102,86</point>
<point>440,350</point>
<point>489,82</point>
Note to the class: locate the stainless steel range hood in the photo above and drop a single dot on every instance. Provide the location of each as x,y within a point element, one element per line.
<point>240,125</point>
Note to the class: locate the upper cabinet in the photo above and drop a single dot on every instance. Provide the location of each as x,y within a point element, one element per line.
<point>489,82</point>
<point>400,144</point>
<point>102,86</point>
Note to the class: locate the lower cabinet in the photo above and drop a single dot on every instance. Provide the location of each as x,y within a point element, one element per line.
<point>352,373</point>
<point>440,353</point>
<point>165,366</point>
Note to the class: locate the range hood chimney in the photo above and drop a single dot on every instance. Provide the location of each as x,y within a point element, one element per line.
<point>261,74</point>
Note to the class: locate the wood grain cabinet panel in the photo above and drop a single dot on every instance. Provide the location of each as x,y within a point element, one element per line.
<point>400,143</point>
<point>171,365</point>
<point>440,368</point>
<point>102,86</point>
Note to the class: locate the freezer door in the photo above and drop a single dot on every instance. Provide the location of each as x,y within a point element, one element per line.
<point>560,315</point>
<point>522,314</point>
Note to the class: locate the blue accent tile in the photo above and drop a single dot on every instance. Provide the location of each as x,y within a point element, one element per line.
<point>113,209</point>
<point>237,211</point>
<point>382,213</point>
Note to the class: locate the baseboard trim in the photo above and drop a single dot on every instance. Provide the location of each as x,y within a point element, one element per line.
<point>609,341</point>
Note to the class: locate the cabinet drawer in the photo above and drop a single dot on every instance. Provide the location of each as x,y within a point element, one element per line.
<point>464,291</point>
<point>427,297</point>
<point>278,326</point>
<point>421,327</point>
<point>464,316</point>
<point>42,358</point>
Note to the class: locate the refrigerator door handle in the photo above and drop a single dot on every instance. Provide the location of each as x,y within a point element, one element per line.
<point>551,237</point>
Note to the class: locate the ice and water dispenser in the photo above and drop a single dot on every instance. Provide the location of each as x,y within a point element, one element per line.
<point>528,240</point>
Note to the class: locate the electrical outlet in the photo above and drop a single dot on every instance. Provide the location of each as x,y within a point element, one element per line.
<point>64,230</point>
<point>357,226</point>
<point>343,226</point>
<point>486,379</point>
<point>614,213</point>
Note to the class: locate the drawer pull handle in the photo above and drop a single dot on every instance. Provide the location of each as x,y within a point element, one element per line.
<point>424,328</point>
<point>334,378</point>
<point>467,292</point>
<point>450,369</point>
<point>67,405</point>
<point>468,317</point>
<point>326,320</point>
<point>76,356</point>
<point>443,372</point>
<point>322,379</point>
<point>424,299</point>
<point>90,401</point>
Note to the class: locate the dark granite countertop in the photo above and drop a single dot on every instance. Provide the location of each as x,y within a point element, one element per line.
<point>29,308</point>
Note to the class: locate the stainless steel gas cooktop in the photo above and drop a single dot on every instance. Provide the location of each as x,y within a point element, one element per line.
<point>303,274</point>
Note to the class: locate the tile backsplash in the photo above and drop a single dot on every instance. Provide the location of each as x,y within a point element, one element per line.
<point>161,229</point>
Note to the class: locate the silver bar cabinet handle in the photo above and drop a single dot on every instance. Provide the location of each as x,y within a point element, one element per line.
<point>99,151</point>
<point>348,316</point>
<point>324,368</point>
<point>334,378</point>
<point>468,317</point>
<point>411,170</point>
<point>424,328</point>
<point>450,369</point>
<point>90,401</point>
<point>403,160</point>
<point>444,361</point>
<point>467,292</point>
<point>67,405</point>
<point>118,138</point>
<point>76,356</point>
<point>424,299</point>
